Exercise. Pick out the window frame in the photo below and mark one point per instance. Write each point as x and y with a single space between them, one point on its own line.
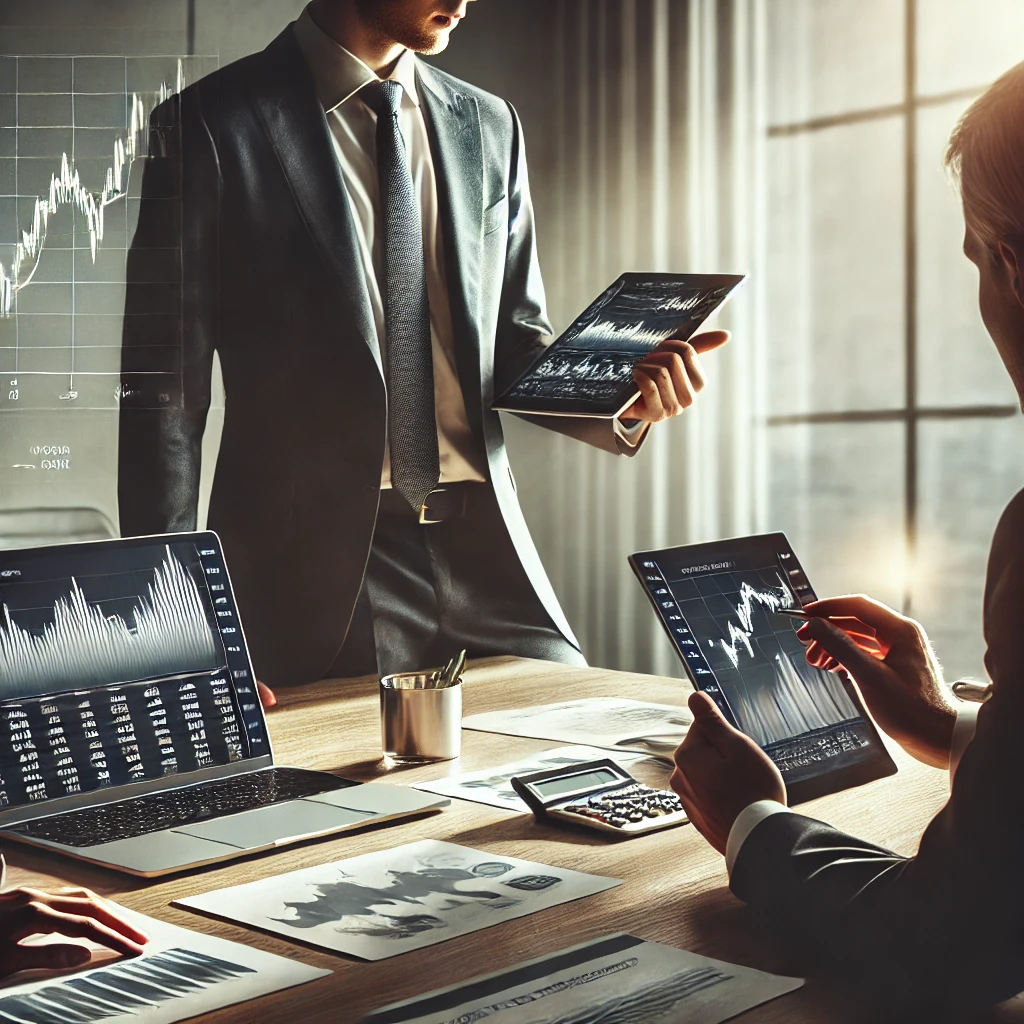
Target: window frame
911 413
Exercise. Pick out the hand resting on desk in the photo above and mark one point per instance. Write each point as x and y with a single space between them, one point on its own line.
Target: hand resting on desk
77 913
720 771
896 671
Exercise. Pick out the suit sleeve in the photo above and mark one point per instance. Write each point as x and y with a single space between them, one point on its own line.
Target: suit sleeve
170 323
941 930
523 327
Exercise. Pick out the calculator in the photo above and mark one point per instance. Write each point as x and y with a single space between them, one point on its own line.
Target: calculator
600 795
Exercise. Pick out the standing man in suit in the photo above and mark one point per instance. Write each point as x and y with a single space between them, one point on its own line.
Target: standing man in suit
939 933
358 247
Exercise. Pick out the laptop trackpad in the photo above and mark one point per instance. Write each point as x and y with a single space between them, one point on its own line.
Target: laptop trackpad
265 826
158 851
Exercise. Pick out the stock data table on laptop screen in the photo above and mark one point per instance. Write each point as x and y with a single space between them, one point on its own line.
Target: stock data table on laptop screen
119 662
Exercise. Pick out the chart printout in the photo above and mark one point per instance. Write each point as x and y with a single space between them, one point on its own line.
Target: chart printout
181 975
614 979
378 905
119 662
723 615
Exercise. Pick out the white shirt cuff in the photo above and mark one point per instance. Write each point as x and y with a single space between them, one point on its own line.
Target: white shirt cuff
963 733
630 435
746 821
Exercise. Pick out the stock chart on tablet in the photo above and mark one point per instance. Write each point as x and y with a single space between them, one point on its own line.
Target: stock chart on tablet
723 606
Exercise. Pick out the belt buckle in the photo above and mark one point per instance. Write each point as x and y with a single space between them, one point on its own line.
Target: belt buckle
424 513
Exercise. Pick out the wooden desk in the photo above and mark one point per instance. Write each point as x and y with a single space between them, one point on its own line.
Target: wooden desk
675 887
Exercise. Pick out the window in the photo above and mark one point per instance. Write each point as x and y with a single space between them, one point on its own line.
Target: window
894 438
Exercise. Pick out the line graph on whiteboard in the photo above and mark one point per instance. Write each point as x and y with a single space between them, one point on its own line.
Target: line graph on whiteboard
75 134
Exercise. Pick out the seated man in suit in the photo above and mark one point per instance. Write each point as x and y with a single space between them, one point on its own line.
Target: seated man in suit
358 249
943 931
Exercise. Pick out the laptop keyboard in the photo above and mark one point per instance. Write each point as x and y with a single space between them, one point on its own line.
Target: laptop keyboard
177 807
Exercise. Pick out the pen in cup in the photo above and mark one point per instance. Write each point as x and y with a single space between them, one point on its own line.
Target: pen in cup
450 675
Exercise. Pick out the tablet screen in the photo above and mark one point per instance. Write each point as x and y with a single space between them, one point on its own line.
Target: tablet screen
588 369
723 606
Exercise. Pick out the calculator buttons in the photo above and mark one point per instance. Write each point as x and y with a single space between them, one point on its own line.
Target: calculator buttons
599 795
633 808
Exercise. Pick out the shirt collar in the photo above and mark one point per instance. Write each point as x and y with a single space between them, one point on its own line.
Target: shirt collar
338 74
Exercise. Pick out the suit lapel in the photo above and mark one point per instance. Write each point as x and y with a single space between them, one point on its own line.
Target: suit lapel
453 125
287 105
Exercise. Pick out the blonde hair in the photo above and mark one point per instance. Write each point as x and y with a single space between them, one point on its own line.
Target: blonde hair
985 157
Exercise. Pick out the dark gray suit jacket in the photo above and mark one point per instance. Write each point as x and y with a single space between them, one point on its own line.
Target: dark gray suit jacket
942 932
245 184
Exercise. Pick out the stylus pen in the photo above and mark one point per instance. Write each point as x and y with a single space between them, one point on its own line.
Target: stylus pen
794 613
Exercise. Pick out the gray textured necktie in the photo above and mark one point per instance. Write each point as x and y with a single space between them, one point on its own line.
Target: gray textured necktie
412 432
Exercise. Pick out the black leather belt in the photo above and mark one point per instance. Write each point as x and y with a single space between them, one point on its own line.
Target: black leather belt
447 501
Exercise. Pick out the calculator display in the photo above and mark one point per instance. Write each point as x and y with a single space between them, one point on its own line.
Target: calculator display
585 780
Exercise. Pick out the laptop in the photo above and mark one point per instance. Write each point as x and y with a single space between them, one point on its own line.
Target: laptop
131 731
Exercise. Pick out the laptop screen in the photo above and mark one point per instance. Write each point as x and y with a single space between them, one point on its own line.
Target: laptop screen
120 661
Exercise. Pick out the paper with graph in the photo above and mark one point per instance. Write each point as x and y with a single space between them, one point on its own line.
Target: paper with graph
182 974
614 723
380 904
615 979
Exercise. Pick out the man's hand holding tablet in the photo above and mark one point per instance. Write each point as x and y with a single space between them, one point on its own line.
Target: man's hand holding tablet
670 377
720 771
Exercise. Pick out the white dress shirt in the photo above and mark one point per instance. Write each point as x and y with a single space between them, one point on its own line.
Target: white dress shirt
338 76
753 814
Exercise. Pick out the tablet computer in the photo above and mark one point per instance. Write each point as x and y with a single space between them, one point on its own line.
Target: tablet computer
722 606
588 369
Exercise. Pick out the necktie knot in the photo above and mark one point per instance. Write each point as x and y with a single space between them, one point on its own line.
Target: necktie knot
382 97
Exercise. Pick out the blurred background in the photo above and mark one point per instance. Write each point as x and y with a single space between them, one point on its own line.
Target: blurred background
860 406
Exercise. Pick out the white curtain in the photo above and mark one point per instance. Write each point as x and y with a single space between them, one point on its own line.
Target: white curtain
654 165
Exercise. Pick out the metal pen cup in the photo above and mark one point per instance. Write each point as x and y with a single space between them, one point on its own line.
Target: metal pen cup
419 722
